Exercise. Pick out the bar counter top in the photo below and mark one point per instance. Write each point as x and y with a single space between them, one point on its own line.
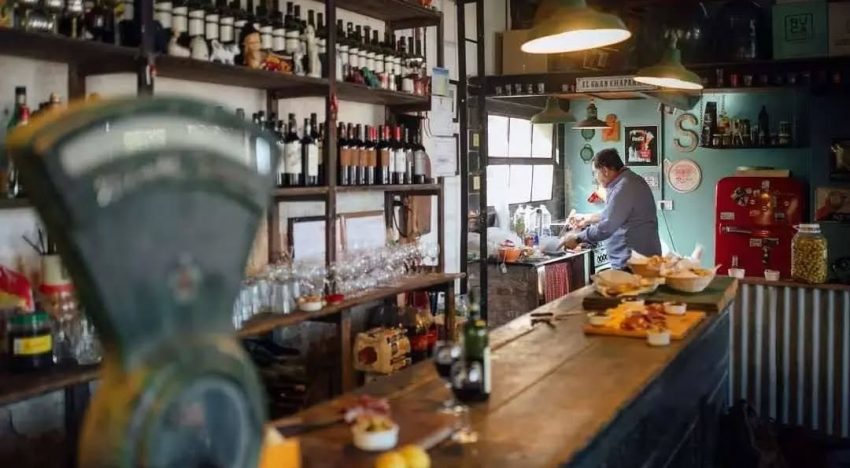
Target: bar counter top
560 397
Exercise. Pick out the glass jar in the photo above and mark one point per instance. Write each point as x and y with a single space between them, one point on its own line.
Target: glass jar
30 342
809 254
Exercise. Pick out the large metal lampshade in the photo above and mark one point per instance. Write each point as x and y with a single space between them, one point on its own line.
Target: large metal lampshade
592 121
552 113
669 71
570 25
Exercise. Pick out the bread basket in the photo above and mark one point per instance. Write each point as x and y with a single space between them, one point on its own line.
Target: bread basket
689 284
644 269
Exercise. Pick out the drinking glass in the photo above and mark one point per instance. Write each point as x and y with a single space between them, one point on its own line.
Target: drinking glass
465 376
446 354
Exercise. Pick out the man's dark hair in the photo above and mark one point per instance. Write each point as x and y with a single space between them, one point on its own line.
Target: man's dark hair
608 158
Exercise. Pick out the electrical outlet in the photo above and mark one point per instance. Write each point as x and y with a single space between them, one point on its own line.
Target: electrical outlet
665 205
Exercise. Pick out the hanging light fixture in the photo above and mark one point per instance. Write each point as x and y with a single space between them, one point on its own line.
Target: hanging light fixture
552 113
570 25
669 71
592 121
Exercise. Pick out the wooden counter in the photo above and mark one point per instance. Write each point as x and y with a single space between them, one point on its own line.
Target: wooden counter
560 397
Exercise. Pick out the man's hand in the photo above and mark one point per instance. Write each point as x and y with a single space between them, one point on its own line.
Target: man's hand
569 241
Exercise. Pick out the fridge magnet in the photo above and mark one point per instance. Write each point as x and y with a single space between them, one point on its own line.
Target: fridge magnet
642 146
687 139
833 204
684 175
653 179
839 159
612 133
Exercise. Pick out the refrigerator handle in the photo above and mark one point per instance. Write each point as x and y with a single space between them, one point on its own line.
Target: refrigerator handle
735 230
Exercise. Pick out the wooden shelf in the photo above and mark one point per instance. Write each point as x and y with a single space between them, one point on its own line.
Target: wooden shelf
92 57
401 14
267 322
14 203
412 188
299 192
399 101
21 386
284 85
751 147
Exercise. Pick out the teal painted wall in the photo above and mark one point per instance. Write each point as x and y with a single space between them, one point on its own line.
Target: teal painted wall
816 121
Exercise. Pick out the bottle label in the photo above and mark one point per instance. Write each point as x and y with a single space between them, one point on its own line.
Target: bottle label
419 162
312 160
32 345
370 61
226 33
379 64
281 163
386 157
292 42
400 161
407 84
212 27
488 379
292 155
178 20
354 58
163 14
279 40
196 23
266 37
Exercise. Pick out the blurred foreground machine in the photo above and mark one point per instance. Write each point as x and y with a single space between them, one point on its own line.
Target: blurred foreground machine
154 204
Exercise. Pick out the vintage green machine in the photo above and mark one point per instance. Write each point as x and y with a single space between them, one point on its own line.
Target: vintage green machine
154 204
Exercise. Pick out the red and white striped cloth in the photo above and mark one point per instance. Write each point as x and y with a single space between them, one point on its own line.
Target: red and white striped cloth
557 282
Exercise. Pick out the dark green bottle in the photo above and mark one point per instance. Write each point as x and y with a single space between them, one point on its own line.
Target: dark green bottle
476 386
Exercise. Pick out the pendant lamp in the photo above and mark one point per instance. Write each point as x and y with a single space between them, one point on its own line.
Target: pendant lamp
669 71
570 25
552 113
592 121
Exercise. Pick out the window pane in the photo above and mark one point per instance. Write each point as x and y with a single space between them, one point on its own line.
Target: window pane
497 136
497 180
520 139
520 184
541 189
541 143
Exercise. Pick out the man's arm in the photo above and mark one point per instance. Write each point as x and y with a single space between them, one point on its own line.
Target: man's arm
615 214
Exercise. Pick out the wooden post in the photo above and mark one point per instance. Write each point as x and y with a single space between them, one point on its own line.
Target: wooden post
450 317
345 351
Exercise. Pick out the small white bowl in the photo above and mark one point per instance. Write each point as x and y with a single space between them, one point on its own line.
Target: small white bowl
737 273
771 275
377 441
658 338
311 306
675 308
597 320
634 304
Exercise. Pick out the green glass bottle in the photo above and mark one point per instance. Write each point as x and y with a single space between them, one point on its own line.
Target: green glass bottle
476 342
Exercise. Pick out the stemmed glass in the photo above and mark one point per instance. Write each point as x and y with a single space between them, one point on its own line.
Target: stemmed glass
446 354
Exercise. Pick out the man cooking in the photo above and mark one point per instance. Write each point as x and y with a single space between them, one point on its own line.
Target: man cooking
628 221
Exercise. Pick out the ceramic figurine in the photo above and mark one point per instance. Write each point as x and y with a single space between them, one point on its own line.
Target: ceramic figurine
314 65
253 55
177 50
221 53
199 48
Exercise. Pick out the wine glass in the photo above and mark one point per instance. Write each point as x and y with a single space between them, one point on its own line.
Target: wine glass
467 383
446 354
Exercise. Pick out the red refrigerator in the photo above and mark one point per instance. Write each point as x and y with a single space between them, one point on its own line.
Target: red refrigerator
754 223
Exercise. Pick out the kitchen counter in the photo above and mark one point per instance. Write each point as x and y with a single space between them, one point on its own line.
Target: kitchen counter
562 398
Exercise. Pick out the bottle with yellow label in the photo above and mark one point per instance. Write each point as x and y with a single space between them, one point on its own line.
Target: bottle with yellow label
30 341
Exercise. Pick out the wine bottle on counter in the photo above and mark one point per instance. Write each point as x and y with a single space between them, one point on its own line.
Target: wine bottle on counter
385 157
309 156
370 147
398 157
344 154
408 156
476 385
421 161
292 154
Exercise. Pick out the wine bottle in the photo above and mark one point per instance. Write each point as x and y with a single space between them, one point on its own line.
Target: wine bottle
211 23
400 60
320 141
421 161
302 39
344 155
419 72
370 149
369 52
128 28
71 24
342 52
266 27
278 33
280 132
240 19
20 117
226 33
353 53
385 156
398 157
322 42
409 79
360 161
292 154
292 32
309 156
408 156
476 348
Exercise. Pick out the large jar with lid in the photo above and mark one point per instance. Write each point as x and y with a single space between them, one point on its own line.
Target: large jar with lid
30 341
809 255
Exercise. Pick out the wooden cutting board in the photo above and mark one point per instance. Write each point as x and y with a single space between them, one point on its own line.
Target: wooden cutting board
714 298
679 326
332 446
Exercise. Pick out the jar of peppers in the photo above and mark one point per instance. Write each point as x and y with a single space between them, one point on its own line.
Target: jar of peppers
809 255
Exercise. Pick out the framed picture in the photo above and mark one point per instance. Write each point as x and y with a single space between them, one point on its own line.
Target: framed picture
363 230
839 159
832 204
306 238
641 146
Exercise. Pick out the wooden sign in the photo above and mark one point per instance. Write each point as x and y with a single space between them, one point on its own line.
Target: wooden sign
610 83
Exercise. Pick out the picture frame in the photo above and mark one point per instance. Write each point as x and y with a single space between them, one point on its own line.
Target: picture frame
641 145
301 235
832 204
839 159
363 229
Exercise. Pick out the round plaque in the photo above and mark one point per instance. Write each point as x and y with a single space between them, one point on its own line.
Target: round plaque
684 175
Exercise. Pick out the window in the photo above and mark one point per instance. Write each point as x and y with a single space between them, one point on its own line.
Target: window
522 163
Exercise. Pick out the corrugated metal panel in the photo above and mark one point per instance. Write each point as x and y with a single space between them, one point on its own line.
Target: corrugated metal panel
790 355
